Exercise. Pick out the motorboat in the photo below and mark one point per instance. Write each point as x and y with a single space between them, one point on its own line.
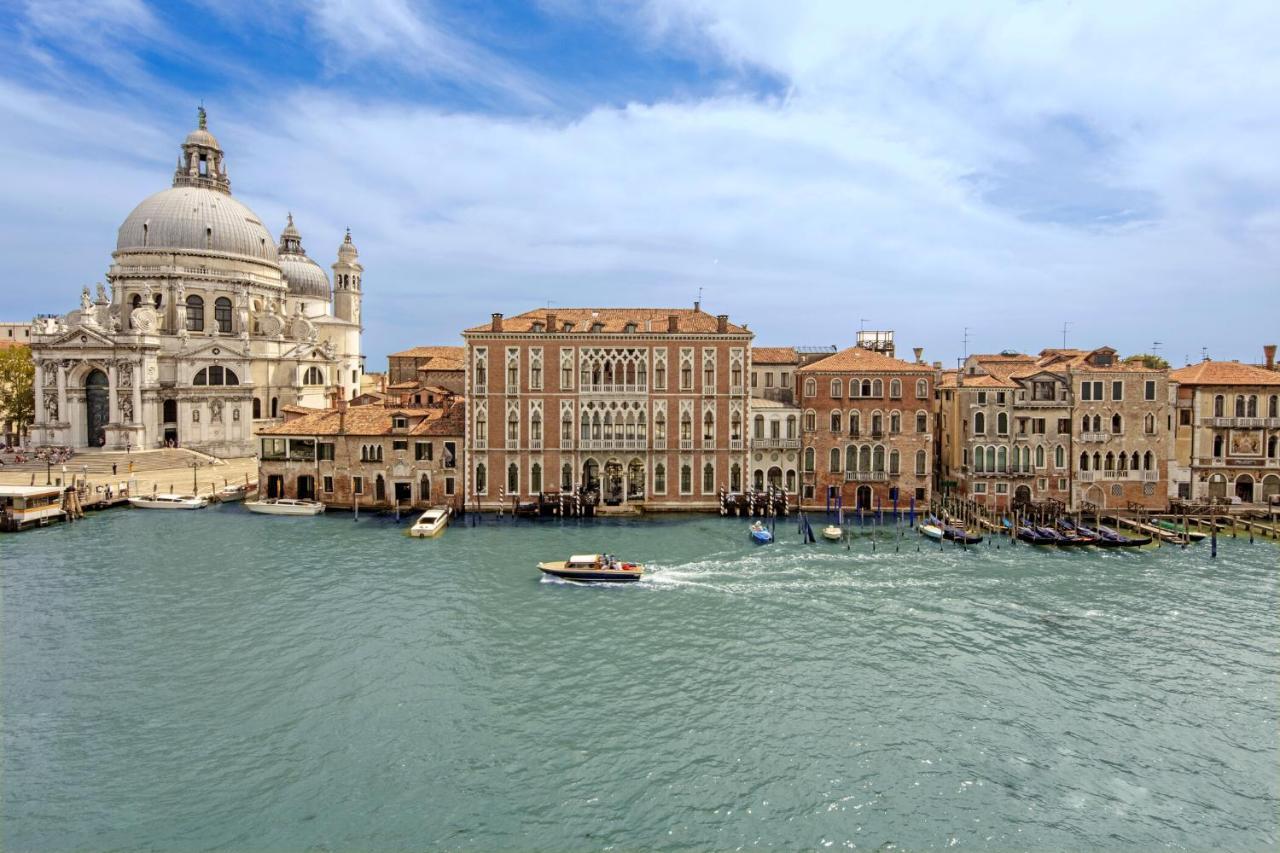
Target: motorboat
931 531
760 534
285 506
431 523
593 568
1189 534
833 533
236 492
159 501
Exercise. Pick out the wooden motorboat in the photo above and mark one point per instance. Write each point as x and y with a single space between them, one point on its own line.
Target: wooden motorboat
169 502
1191 535
931 531
236 492
833 533
760 534
285 506
431 523
593 568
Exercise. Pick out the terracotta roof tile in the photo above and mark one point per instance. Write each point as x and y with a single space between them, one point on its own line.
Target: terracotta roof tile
372 420
647 320
774 355
456 352
1225 373
860 359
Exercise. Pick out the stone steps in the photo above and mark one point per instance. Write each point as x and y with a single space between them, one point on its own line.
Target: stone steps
99 462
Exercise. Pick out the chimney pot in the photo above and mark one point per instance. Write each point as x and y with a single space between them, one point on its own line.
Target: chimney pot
722 323
919 351
673 323
496 324
1270 352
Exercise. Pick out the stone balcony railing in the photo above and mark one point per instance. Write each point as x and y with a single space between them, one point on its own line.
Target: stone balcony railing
615 388
1241 423
866 476
775 444
1095 437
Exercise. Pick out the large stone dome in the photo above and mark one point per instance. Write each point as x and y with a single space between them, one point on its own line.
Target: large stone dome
196 219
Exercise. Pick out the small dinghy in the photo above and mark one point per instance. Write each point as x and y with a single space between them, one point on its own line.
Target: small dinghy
931 531
431 523
832 533
760 534
170 502
593 568
284 506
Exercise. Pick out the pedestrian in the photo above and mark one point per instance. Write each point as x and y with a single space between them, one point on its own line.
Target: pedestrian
113 469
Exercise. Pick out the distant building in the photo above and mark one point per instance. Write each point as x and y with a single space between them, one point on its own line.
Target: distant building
439 366
1227 433
867 428
775 419
641 407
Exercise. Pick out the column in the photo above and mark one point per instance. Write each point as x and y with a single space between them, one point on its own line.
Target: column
137 394
113 404
62 392
38 388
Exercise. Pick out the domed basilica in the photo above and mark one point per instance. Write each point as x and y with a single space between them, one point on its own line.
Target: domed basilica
209 325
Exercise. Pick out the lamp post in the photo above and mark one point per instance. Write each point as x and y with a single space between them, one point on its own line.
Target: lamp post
195 487
48 472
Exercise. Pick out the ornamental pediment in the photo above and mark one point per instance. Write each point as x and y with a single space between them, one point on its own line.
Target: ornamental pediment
216 350
82 338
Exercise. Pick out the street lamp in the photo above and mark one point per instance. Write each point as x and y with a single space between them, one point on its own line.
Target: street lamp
48 472
195 488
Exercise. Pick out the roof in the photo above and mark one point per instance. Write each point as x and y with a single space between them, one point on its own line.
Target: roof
860 359
195 219
615 320
374 419
774 355
457 353
1224 373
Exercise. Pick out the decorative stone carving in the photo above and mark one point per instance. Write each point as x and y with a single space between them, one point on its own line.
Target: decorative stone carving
50 373
328 350
271 324
215 411
144 319
102 295
124 375
86 302
126 408
51 408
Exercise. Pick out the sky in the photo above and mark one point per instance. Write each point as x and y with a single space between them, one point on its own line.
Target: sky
975 176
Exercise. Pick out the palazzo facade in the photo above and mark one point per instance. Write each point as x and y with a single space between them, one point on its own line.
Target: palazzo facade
644 406
208 325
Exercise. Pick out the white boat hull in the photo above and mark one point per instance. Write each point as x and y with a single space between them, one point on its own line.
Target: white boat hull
932 531
832 534
159 503
273 508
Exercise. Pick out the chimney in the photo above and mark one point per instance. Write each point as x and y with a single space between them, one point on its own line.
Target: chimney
496 324
697 305
673 323
919 351
551 322
937 365
722 323
1269 353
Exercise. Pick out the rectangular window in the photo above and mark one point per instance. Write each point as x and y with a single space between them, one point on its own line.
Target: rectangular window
919 494
1062 484
328 485
273 448
1000 397
808 493
1184 417
399 423
1042 484
1064 426
422 450
400 444
449 457
754 377
1149 390
982 398
448 485
768 380
979 488
324 451
1002 488
357 485
1117 390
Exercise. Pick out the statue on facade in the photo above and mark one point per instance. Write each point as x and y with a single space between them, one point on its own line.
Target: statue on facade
328 350
86 302
215 411
124 375
102 295
126 408
51 408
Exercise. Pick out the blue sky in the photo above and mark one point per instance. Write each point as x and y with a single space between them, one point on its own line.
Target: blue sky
1004 167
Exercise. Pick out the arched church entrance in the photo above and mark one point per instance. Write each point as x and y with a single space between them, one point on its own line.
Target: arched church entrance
97 408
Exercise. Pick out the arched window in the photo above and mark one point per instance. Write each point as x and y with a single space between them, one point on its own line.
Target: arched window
1040 456
835 421
1097 461
1217 445
894 462
1110 461
1002 458
834 464
660 478
424 489
1273 444
1122 461
836 389
222 314
708 427
195 313
1097 423
979 423
136 303
811 387
566 477
708 478
686 427
735 477
808 460
921 463
1149 424
855 423
877 388
877 423
686 478
895 388
866 388
313 376
877 458
922 422
854 388
1148 461
811 420
851 458
535 430
1251 409
1084 461
566 426
791 426
660 426
257 408
482 482
864 458
1219 406
1002 423
922 389
1059 457
1240 406
513 426
275 407
1117 424
991 457
513 479
1273 406
535 478
216 375
1084 424
895 422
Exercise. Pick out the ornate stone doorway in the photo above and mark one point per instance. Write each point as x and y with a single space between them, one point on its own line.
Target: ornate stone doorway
1244 488
97 408
613 482
635 480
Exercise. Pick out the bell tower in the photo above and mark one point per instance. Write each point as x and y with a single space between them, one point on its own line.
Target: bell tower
347 273
200 164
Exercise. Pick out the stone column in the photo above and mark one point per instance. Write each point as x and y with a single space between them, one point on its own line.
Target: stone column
62 391
137 393
113 402
38 388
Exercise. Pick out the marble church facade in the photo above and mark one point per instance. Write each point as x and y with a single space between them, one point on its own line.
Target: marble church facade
207 327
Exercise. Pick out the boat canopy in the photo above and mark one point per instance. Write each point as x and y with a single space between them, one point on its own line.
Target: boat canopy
584 559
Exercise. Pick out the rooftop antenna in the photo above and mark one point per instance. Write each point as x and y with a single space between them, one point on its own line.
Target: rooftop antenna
1155 347
1204 353
966 342
1065 324
862 324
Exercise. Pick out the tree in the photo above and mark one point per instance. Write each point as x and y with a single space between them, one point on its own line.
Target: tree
17 396
1148 360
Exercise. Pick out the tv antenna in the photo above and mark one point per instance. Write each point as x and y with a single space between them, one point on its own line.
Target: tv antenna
966 342
1155 347
1065 325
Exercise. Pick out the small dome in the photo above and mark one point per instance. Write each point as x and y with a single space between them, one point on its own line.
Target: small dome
196 219
303 275
202 137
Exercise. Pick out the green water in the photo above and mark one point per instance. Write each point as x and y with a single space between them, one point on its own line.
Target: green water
221 680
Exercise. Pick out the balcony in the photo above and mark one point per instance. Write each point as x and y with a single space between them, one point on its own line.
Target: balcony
513 444
1095 437
775 444
1241 423
735 444
615 388
659 444
686 444
480 389
535 444
708 444
866 476
566 444
737 390
1041 404
481 443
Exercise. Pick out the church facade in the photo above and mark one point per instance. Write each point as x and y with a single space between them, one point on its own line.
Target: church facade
209 325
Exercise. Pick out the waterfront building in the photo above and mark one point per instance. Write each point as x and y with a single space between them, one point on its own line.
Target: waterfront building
1227 431
866 427
208 325
642 407
380 456
774 419
1067 427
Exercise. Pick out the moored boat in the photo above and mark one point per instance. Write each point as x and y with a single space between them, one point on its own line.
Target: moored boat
931 531
158 501
285 506
1033 536
593 568
1191 535
236 492
760 534
832 533
430 523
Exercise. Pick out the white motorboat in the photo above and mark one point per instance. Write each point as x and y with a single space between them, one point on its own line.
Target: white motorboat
236 492
285 506
932 531
169 502
430 523
832 533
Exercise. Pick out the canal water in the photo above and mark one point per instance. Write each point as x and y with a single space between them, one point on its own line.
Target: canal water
216 679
